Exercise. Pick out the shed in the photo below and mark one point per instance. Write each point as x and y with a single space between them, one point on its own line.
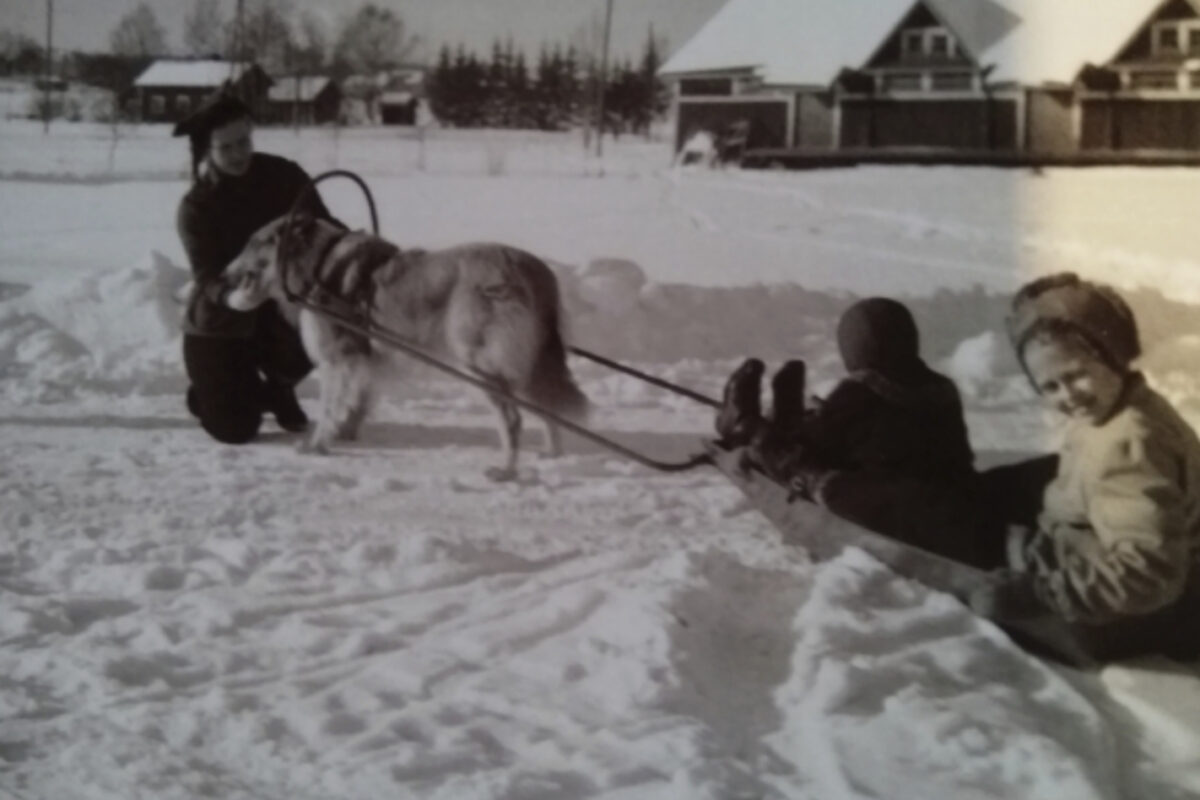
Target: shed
303 100
170 89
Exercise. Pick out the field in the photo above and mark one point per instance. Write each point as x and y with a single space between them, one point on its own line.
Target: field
182 619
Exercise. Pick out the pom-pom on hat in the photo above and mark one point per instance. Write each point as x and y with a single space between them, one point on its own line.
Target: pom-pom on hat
1094 311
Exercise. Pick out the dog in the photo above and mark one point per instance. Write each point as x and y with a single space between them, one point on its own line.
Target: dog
492 309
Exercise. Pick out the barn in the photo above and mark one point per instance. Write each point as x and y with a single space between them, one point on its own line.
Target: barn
170 89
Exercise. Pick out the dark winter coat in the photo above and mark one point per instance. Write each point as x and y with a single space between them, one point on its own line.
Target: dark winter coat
217 217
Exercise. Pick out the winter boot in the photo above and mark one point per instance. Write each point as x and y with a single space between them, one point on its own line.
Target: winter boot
740 416
280 400
787 391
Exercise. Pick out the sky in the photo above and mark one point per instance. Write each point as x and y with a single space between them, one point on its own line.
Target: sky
86 24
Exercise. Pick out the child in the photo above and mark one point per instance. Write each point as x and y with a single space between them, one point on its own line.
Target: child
1116 544
887 448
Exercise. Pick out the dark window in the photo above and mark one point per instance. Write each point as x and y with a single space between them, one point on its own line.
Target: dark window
1159 79
902 82
913 43
706 86
1194 41
952 81
1168 40
939 45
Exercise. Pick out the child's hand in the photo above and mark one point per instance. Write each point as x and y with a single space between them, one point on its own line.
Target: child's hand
1008 597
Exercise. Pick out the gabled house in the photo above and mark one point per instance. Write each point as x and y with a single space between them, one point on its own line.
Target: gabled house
1033 76
303 100
983 74
170 89
1147 95
771 65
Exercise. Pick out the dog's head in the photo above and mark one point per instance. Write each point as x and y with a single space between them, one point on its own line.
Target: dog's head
256 276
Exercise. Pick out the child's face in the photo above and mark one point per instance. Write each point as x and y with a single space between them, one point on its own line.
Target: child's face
231 146
1072 380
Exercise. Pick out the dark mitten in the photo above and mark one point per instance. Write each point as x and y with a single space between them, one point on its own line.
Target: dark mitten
740 416
1009 597
787 392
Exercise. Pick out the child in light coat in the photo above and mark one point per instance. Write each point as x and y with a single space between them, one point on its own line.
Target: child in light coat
1115 548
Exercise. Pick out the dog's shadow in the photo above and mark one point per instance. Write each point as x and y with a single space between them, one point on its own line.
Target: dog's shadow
407 436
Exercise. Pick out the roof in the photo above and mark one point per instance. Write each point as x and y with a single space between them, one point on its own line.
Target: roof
396 98
1051 41
288 89
801 42
196 73
807 42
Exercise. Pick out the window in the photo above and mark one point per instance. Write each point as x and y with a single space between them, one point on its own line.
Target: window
953 81
158 104
706 86
183 104
1194 79
1168 40
913 43
939 45
902 82
1155 79
1193 42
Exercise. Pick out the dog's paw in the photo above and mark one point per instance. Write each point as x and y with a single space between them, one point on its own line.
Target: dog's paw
501 474
312 446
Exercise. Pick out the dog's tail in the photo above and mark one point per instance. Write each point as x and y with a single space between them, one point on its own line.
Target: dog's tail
552 385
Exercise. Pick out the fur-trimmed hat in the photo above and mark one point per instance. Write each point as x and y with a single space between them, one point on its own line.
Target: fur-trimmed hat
1094 311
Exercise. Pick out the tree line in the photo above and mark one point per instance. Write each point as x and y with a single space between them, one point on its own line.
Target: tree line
559 92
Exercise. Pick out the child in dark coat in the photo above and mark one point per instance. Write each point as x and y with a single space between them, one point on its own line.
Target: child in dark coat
887 448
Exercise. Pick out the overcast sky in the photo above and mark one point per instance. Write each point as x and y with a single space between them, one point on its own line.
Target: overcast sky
86 24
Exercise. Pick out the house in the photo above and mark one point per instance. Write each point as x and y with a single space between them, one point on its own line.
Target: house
1026 76
170 89
772 64
303 100
982 74
1147 95
401 96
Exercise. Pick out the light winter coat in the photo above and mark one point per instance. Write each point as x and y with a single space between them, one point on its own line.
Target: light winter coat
1119 532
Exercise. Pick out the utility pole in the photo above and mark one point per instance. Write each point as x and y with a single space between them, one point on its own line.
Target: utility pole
49 76
608 10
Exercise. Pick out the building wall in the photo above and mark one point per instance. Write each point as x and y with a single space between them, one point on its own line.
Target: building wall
768 120
814 120
968 124
1049 123
1141 124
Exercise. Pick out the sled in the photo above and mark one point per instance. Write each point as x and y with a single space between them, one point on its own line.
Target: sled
823 534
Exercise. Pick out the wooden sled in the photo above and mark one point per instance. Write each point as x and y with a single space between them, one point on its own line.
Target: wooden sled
825 535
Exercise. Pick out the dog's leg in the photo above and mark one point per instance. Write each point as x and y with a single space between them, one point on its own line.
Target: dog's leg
553 439
509 427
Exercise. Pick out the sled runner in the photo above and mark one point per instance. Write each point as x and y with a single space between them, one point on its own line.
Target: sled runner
823 534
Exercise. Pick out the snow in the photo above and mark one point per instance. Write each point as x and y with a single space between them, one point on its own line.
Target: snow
182 619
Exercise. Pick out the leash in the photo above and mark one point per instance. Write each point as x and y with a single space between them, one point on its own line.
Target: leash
348 316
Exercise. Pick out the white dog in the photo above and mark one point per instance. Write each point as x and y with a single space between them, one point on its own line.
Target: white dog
490 308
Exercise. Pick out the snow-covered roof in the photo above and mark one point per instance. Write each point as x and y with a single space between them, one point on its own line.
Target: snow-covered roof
803 42
806 42
196 73
288 89
1035 42
396 98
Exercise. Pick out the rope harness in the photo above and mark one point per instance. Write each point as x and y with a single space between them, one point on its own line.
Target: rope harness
349 316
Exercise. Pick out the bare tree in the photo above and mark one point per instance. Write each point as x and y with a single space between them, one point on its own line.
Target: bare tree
312 45
138 34
371 41
202 28
265 35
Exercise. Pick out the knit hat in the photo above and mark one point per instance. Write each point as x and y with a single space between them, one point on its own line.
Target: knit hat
1094 311
878 334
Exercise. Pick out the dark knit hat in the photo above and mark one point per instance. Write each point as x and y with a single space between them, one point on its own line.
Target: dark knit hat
878 334
216 110
1065 302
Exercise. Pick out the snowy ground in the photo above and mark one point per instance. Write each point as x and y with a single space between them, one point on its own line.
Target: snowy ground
180 619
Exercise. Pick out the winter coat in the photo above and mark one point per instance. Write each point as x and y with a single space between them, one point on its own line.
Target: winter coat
215 220
1119 532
